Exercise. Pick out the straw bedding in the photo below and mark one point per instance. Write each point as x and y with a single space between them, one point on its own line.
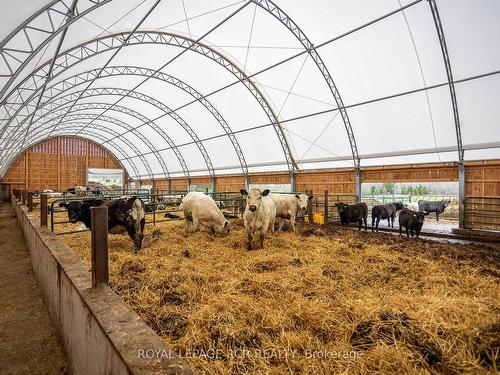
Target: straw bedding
323 300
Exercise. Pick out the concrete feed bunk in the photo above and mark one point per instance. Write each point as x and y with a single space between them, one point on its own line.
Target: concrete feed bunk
317 301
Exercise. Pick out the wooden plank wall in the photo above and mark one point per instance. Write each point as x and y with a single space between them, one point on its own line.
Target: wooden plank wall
482 178
58 163
230 183
338 181
442 172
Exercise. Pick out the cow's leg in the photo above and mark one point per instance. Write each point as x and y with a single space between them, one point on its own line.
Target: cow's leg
250 239
366 225
132 233
437 216
280 224
272 226
360 224
261 240
407 232
378 221
400 229
195 226
292 223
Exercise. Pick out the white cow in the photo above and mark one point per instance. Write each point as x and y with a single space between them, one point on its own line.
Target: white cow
259 215
200 209
288 205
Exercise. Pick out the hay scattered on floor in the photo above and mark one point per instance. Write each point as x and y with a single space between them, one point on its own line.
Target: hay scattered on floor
401 306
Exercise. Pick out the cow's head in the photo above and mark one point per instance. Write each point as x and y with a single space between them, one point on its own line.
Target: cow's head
253 198
445 203
76 210
302 200
419 216
224 229
399 205
341 206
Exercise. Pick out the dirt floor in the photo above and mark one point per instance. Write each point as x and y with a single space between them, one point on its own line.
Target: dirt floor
28 341
323 300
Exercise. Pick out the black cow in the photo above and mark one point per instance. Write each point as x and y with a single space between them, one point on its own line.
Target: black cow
122 213
412 221
352 213
385 211
437 207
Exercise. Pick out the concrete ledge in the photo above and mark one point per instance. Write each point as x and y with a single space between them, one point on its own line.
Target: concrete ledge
100 333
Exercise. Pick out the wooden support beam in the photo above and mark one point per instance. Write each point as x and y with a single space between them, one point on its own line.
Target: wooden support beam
99 240
43 210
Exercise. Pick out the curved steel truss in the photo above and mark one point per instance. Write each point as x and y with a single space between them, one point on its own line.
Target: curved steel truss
449 73
26 89
281 16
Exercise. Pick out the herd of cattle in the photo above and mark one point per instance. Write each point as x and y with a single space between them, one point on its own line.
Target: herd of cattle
262 209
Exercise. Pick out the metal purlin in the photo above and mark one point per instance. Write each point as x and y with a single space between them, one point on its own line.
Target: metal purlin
111 120
449 73
59 111
85 50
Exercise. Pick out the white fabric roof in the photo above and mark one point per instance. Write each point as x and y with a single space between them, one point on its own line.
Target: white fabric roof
220 86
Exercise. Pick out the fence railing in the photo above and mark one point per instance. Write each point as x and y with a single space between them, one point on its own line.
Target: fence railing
482 213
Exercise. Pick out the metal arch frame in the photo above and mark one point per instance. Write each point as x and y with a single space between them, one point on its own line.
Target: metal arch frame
449 74
91 48
53 115
90 133
51 31
74 124
282 17
164 77
136 95
63 86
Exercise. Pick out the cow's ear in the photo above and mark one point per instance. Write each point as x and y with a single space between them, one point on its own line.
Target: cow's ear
297 196
225 224
244 193
62 204
265 192
310 197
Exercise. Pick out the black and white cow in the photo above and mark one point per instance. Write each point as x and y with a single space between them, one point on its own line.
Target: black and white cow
123 214
437 207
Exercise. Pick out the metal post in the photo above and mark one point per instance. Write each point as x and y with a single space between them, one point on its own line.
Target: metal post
169 188
43 210
214 184
99 240
247 181
30 201
357 172
293 181
326 207
461 195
